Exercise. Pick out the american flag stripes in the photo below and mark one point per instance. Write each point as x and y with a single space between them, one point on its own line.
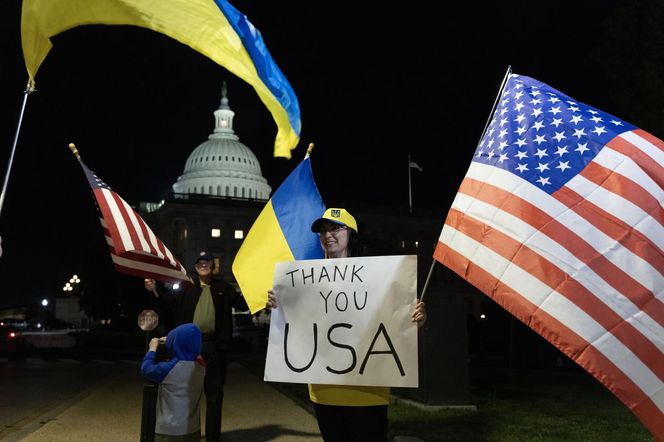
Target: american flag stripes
560 220
135 250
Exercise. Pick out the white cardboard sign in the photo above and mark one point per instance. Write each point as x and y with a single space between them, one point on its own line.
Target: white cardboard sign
344 321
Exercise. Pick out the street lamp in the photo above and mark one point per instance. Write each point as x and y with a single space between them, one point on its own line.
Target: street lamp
71 284
44 302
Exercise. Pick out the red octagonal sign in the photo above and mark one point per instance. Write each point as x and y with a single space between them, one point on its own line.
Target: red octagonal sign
148 320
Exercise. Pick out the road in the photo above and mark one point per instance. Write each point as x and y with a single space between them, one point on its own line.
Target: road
36 388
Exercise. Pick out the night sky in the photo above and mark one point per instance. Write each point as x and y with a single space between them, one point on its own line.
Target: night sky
373 86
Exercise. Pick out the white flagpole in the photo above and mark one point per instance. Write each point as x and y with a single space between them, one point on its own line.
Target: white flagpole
500 91
410 194
28 89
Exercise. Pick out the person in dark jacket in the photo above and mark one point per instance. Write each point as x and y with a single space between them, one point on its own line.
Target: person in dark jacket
180 380
209 304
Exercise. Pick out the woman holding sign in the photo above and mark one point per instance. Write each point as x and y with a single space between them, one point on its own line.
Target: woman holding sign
348 413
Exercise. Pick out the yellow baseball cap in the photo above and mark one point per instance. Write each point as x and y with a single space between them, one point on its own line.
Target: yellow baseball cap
337 216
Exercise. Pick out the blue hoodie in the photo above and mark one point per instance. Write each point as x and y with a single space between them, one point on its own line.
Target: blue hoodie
183 343
180 381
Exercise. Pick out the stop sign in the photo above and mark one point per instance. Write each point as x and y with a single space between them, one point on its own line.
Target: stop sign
148 320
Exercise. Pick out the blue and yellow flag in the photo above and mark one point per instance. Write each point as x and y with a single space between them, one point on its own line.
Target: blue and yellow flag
212 27
282 232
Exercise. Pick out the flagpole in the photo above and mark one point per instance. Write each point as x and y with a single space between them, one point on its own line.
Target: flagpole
500 91
309 149
28 90
410 194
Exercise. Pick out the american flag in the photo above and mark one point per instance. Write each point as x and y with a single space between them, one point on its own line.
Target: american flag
559 219
135 250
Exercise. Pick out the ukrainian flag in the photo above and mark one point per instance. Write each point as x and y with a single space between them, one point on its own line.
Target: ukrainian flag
282 232
212 27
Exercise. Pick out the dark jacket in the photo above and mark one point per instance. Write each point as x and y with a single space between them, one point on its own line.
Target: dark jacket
224 297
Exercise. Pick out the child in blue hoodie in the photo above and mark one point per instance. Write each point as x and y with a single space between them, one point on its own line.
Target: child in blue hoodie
180 380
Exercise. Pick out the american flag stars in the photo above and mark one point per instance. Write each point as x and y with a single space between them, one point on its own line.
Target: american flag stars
544 136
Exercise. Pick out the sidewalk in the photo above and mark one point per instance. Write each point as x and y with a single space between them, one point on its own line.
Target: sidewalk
253 412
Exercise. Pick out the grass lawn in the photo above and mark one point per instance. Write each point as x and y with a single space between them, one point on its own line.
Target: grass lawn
527 406
566 405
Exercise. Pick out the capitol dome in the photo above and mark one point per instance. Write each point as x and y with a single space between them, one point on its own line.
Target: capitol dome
222 166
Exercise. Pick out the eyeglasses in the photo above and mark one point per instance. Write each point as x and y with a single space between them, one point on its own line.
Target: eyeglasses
204 264
333 229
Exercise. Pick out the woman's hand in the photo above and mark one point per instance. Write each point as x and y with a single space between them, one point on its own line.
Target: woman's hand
271 300
420 314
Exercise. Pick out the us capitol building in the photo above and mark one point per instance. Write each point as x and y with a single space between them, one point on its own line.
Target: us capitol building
216 199
221 192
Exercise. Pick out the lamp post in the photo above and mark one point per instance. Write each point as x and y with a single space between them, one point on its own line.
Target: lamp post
72 284
68 307
43 315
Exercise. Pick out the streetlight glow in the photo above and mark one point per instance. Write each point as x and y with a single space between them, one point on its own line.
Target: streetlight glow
44 302
69 286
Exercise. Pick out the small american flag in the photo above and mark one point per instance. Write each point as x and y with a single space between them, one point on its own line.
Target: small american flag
560 220
135 250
